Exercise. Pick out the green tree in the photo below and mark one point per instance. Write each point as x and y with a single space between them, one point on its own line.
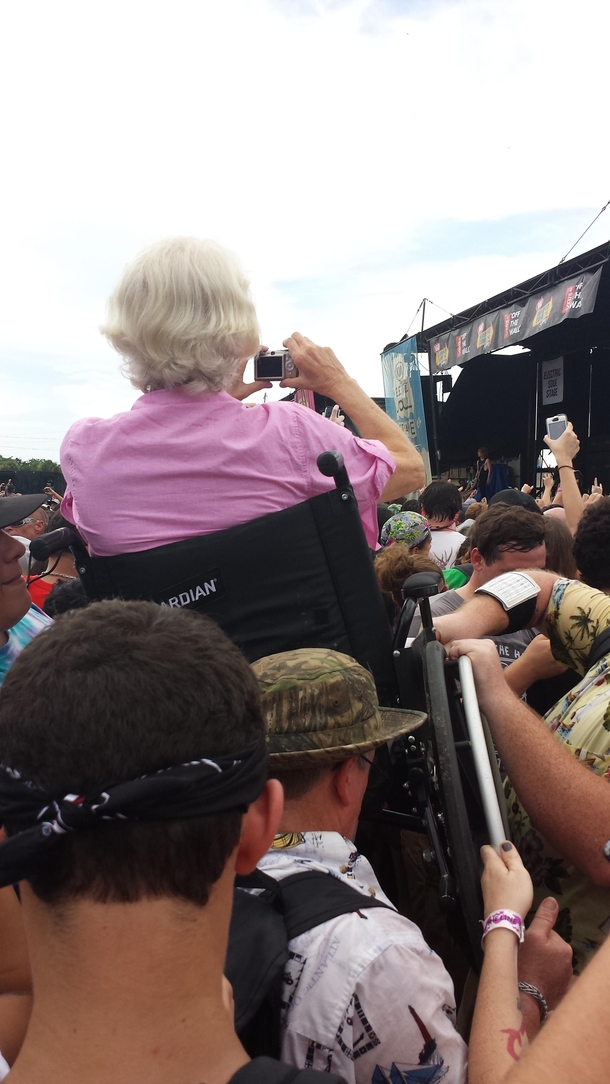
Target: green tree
14 463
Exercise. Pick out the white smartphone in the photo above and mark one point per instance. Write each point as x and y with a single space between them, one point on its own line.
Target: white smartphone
556 426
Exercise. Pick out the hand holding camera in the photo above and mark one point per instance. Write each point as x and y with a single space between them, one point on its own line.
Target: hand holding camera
319 369
274 365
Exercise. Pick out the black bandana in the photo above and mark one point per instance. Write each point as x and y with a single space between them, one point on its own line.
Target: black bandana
210 785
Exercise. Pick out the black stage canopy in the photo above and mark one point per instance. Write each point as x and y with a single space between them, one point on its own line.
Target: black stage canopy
562 320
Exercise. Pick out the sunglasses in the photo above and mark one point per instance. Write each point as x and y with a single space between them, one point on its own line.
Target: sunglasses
20 522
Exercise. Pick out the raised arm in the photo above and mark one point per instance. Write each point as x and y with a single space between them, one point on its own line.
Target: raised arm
498 1033
320 370
505 1016
565 449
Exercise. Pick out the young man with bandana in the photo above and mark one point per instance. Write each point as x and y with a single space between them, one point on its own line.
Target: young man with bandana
133 787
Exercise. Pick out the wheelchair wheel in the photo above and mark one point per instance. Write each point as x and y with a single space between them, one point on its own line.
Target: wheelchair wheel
460 844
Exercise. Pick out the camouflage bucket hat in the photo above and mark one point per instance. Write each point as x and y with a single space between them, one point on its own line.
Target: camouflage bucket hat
320 705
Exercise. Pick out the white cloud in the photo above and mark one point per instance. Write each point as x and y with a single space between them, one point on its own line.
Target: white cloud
320 140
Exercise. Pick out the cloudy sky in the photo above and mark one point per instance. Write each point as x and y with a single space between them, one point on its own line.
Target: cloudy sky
357 154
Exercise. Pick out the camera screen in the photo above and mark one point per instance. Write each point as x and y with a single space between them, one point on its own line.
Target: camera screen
269 366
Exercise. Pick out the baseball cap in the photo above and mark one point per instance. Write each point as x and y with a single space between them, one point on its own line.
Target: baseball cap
515 496
320 705
15 509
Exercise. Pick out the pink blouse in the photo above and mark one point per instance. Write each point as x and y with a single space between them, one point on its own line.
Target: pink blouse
178 465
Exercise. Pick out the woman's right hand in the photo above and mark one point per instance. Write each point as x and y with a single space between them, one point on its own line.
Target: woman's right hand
319 367
507 886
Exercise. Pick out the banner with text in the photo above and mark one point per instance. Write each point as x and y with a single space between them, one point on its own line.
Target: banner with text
403 395
567 300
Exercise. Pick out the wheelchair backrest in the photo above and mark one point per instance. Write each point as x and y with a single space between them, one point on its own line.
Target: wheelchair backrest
301 577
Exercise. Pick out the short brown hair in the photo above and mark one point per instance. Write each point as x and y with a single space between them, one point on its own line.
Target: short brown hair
475 510
297 782
112 692
506 527
559 555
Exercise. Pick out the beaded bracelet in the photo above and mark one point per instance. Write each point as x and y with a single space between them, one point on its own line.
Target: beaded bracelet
510 920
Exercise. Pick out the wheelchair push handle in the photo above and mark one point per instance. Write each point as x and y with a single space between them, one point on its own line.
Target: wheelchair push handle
480 754
332 465
421 587
54 542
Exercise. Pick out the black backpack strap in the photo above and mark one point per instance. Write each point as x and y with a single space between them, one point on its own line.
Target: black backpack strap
599 648
270 1071
314 897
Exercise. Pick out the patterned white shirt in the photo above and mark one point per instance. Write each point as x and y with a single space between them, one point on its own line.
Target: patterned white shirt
364 996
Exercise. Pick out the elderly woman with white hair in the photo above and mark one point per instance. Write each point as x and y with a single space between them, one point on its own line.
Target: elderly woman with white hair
189 457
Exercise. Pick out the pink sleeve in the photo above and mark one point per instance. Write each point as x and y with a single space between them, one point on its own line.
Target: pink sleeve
368 462
66 507
67 504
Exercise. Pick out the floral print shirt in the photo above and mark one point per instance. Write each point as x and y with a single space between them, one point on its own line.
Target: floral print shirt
576 614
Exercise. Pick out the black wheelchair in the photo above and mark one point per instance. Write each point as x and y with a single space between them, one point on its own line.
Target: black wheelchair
304 577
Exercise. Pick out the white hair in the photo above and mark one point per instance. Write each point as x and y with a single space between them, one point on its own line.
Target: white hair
182 315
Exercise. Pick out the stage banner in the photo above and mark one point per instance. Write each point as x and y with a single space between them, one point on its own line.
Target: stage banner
404 401
505 327
551 382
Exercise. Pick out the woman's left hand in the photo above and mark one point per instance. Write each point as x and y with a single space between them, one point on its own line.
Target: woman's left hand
506 883
241 391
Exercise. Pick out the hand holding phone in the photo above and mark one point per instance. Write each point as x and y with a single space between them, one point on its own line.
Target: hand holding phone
556 426
566 446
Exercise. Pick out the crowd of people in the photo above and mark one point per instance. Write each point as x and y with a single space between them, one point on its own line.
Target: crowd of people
151 779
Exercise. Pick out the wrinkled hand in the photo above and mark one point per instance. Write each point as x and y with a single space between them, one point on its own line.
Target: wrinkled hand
566 447
319 368
545 959
241 391
505 882
336 416
526 489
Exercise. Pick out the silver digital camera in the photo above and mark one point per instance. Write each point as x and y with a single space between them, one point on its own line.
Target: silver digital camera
274 365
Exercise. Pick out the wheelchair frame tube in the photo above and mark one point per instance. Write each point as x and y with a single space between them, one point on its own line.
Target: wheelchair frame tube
480 754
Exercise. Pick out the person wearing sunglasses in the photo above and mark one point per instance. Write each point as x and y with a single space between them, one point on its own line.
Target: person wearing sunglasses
32 525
